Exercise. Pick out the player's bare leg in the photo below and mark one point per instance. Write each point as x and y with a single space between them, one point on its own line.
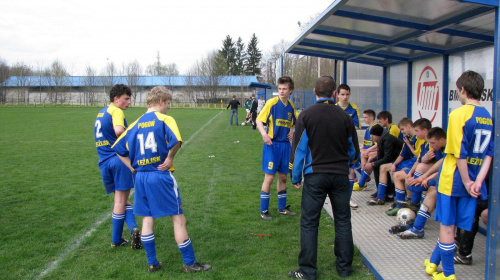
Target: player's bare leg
382 185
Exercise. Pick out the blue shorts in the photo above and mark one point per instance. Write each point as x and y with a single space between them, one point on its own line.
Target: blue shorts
116 176
357 164
407 163
276 157
417 189
455 211
156 195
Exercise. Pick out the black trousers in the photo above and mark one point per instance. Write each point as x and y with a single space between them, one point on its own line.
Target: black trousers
316 188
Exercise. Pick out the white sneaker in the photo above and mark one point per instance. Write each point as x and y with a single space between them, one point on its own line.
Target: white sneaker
352 204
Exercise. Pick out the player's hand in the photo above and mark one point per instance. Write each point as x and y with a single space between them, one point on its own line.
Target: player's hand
298 186
393 168
267 139
368 167
407 142
473 188
290 135
429 156
166 164
425 183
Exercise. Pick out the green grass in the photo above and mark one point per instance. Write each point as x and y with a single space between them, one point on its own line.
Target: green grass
52 200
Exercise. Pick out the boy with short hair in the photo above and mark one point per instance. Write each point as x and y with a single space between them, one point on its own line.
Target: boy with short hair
460 181
385 120
419 128
148 148
280 115
368 149
117 179
427 165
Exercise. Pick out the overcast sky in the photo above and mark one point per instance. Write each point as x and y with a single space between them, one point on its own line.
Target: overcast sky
91 33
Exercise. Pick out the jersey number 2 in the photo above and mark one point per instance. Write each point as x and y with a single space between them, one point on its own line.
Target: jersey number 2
98 133
150 142
479 146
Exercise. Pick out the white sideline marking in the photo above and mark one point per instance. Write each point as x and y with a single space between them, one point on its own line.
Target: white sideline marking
64 254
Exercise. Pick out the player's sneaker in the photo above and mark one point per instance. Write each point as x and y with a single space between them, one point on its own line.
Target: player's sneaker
297 275
352 204
401 227
287 211
135 238
375 201
440 276
153 268
459 259
430 268
196 267
356 187
265 215
412 233
119 244
392 212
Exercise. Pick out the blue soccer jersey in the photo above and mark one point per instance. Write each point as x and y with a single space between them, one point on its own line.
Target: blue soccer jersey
406 152
104 131
469 137
279 118
367 140
148 140
353 111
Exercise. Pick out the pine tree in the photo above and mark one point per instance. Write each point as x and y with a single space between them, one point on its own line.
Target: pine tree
240 57
254 57
228 54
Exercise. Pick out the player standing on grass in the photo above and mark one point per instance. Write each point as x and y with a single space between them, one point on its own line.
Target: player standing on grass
279 115
148 147
469 150
116 177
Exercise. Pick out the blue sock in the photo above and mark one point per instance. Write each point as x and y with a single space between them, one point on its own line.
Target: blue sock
381 191
362 180
282 200
148 241
400 196
264 201
187 252
351 182
436 254
421 219
447 255
117 221
130 218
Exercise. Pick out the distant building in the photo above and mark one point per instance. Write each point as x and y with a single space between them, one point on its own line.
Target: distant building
94 90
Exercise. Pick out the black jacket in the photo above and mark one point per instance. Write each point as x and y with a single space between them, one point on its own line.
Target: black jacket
389 148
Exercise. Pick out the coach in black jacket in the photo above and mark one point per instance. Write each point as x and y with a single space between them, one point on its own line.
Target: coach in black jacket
325 143
389 148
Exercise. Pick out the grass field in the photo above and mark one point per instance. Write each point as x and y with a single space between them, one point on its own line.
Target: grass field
55 218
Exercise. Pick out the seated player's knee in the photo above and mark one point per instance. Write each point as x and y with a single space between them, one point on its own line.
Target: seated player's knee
484 216
422 167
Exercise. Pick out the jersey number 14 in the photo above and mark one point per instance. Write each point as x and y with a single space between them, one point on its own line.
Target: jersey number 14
150 142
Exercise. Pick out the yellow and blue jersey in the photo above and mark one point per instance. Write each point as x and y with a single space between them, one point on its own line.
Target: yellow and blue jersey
148 140
279 118
469 136
367 140
353 111
104 130
406 152
396 132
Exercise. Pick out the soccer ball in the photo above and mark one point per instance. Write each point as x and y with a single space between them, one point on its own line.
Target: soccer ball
405 214
243 123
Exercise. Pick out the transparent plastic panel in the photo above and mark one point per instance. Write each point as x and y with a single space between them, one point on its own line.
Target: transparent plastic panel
398 91
365 82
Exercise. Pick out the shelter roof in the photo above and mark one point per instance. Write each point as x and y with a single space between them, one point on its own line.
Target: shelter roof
388 32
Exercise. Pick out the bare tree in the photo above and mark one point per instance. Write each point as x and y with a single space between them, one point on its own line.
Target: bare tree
90 81
4 75
108 77
133 71
268 63
59 82
189 86
22 81
159 69
211 74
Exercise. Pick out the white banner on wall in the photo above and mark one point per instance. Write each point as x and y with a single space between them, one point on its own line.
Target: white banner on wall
486 99
427 90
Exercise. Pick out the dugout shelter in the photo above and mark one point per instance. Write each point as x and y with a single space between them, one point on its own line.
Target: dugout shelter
405 56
